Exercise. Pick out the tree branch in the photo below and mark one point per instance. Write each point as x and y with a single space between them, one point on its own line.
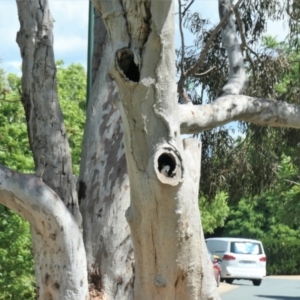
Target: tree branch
204 52
261 111
203 73
182 93
292 182
181 36
244 44
59 235
238 80
45 124
187 7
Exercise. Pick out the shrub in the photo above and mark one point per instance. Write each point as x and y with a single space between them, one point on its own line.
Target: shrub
283 256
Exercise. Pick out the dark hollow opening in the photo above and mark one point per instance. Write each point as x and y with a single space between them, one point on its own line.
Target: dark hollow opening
166 165
127 65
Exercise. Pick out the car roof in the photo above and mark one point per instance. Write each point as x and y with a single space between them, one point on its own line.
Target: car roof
228 239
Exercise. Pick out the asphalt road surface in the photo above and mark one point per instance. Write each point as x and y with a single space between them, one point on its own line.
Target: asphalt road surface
271 288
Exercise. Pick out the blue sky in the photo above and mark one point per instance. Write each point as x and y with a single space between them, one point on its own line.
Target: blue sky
70 30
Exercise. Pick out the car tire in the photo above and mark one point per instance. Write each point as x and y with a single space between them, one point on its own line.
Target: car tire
256 282
218 280
229 280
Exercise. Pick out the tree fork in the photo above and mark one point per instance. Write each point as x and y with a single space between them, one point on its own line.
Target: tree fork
169 248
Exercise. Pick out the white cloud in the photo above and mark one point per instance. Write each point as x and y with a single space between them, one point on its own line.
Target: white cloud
67 44
70 32
71 26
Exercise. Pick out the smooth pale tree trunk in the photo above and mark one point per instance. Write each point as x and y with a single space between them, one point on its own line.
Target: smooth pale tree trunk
171 260
104 184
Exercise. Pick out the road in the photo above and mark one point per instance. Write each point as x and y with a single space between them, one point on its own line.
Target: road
272 288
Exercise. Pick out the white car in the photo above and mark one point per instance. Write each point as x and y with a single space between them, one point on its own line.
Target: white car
241 258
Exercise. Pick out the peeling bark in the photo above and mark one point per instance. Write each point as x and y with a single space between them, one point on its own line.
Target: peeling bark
47 133
104 184
169 248
238 80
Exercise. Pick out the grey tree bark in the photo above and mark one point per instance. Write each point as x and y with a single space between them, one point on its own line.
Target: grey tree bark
170 254
104 184
134 70
59 255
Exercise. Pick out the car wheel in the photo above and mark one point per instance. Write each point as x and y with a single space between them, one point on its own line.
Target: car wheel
256 282
229 280
218 279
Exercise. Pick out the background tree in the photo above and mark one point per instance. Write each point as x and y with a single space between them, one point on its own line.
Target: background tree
214 213
275 151
226 166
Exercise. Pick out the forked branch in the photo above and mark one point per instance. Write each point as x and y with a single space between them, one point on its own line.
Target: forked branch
226 14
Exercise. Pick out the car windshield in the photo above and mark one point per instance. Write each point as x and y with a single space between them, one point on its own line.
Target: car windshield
245 248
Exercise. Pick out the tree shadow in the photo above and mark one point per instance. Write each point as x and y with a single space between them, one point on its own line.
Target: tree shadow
278 297
240 284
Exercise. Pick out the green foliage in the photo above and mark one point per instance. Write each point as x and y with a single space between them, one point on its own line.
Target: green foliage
271 42
14 150
283 256
286 195
71 85
256 218
16 261
213 213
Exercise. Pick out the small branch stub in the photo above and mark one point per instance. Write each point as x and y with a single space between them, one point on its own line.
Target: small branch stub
168 165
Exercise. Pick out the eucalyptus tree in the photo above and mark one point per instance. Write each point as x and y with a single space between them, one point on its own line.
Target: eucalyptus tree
225 159
154 177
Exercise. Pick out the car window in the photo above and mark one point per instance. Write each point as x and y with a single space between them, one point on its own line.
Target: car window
245 248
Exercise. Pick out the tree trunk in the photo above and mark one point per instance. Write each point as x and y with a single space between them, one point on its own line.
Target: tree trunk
59 255
104 184
170 253
46 130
